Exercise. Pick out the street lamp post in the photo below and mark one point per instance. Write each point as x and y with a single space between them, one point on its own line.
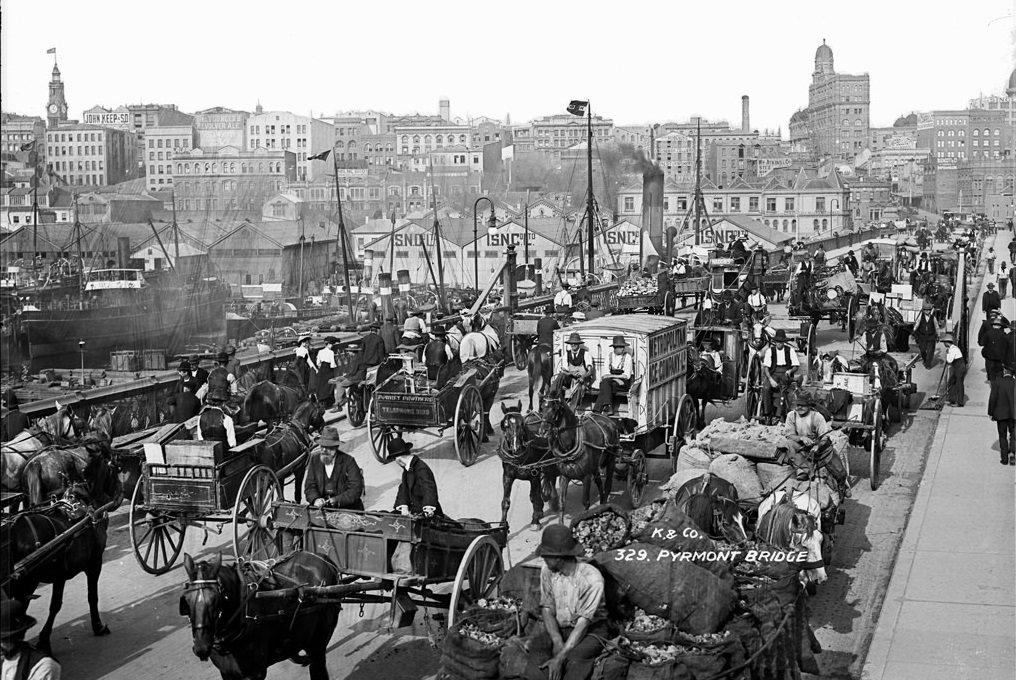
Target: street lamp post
81 350
476 240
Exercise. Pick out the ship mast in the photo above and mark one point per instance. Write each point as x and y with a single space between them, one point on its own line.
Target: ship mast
81 257
589 192
176 228
342 238
437 243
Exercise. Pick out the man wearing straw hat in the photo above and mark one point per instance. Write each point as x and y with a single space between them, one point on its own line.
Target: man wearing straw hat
618 379
21 661
573 609
576 369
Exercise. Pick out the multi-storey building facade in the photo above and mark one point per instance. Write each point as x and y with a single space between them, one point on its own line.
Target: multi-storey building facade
18 131
302 135
91 155
161 143
218 127
230 179
836 122
553 134
416 139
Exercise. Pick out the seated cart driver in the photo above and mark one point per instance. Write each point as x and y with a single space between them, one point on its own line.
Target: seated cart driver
334 480
757 301
779 368
618 379
576 370
713 355
355 374
808 430
215 424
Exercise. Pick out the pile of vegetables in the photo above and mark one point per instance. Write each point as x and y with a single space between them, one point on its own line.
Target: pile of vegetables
470 631
604 531
502 603
645 515
646 623
638 287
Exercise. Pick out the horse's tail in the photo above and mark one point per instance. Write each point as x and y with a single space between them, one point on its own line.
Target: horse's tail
31 482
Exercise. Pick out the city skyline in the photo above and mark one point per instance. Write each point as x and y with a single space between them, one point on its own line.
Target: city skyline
915 62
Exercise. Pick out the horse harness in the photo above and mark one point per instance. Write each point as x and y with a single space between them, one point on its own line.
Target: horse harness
580 436
511 456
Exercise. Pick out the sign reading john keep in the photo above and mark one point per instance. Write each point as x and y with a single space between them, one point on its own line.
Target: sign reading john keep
108 119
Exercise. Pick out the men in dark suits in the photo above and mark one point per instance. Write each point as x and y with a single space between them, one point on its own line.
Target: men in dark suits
994 343
185 404
418 491
334 480
991 299
1002 409
374 352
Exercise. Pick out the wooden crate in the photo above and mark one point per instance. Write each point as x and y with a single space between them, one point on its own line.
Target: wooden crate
694 285
180 487
124 360
153 360
188 452
857 384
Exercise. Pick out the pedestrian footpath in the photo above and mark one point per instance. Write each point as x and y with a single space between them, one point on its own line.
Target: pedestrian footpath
949 609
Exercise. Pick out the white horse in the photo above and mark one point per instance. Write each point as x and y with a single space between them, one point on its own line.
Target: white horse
798 537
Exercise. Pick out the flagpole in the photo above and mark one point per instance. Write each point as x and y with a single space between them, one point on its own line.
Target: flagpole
34 157
589 195
342 237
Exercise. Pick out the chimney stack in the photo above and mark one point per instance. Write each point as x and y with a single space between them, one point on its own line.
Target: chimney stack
745 126
445 109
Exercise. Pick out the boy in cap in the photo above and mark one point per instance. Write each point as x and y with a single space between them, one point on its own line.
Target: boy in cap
334 480
22 661
618 379
573 610
957 366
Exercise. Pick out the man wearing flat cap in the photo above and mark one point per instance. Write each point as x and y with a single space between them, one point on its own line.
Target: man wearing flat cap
334 480
21 661
926 333
573 609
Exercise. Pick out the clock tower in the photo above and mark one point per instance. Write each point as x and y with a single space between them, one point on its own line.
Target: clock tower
56 109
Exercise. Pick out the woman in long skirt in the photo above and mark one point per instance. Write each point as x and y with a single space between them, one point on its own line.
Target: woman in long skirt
957 367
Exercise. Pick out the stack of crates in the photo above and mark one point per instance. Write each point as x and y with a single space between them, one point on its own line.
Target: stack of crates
124 360
154 360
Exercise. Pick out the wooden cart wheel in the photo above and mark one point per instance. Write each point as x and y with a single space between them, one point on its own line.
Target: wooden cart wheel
753 389
638 475
669 303
380 434
683 430
852 303
468 424
253 533
875 444
156 535
355 408
478 576
519 353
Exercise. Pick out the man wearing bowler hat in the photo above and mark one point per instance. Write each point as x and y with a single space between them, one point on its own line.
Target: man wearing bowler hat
334 480
215 424
572 606
418 490
926 333
618 379
21 661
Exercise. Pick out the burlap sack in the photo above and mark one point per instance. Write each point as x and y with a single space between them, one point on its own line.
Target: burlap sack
740 472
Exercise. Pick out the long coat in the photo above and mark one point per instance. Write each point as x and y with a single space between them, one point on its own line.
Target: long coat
344 487
418 488
1002 400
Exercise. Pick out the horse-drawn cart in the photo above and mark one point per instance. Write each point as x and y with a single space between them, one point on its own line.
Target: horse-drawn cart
189 482
365 546
655 408
521 329
408 401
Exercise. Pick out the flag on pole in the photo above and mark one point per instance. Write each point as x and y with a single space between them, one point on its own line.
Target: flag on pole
577 107
30 146
51 50
323 156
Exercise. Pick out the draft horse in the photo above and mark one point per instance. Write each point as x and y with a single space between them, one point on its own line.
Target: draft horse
23 534
540 369
702 385
272 402
524 455
711 503
585 447
286 442
243 640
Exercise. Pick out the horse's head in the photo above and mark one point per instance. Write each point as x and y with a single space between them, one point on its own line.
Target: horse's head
554 413
309 415
101 422
204 601
102 480
513 425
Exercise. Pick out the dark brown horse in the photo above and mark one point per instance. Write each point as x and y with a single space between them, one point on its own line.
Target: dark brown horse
540 369
524 455
22 535
287 442
711 502
242 638
272 402
585 447
702 385
49 472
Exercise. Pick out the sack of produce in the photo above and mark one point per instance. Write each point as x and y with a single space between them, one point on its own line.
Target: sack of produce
740 472
693 458
695 599
772 476
673 529
523 584
611 665
642 516
648 628
653 660
468 652
709 655
679 479
602 527
501 616
514 659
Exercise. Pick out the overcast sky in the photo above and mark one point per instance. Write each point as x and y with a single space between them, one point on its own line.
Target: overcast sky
637 62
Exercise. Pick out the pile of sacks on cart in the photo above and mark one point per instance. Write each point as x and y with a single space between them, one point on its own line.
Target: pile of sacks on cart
682 605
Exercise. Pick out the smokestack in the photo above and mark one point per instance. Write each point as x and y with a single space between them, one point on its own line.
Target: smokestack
445 109
745 123
652 205
123 252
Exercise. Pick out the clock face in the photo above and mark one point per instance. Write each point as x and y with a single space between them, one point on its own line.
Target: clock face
52 108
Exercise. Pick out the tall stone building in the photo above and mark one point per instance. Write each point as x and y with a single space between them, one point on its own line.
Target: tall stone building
836 122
